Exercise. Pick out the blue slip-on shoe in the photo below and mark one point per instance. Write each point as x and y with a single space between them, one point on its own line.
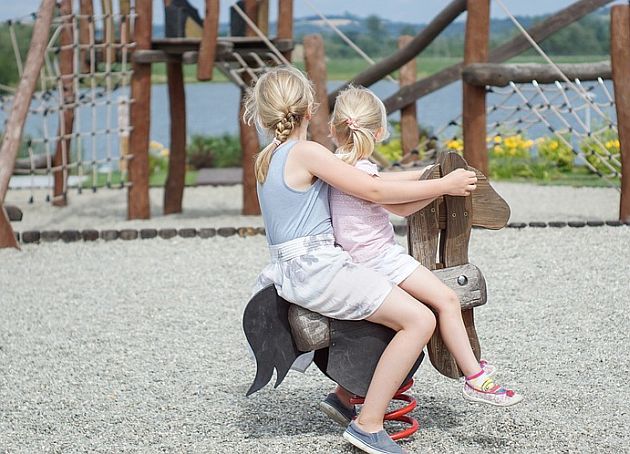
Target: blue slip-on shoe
372 443
337 411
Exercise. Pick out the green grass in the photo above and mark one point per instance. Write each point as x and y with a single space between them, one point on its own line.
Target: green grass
157 179
579 177
345 69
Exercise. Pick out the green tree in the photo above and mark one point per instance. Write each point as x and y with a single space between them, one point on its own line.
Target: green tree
8 66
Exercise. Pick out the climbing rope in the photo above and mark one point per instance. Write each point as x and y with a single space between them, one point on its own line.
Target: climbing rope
98 96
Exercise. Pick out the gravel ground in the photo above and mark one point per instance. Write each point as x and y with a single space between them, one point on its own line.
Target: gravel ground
137 347
220 207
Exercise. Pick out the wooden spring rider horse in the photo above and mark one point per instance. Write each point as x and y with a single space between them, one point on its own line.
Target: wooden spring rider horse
348 351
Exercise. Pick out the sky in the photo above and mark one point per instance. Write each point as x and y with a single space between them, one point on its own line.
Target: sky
413 11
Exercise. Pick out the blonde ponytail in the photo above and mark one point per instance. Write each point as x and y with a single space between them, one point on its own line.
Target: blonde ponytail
277 103
358 117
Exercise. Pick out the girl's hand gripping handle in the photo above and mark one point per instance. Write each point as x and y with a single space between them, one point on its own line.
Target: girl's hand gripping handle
460 182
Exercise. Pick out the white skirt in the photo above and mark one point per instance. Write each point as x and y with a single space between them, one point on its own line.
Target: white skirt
314 273
395 264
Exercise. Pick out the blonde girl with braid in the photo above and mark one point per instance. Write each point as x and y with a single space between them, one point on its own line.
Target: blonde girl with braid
307 268
363 229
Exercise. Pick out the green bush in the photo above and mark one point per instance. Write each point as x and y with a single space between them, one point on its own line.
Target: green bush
556 152
214 151
8 66
601 148
392 148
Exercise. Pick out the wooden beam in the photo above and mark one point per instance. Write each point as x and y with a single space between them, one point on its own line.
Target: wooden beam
516 46
251 9
138 204
14 125
176 178
315 62
66 114
7 236
620 57
263 16
86 8
409 130
285 24
474 97
250 146
208 46
500 75
109 51
125 21
421 41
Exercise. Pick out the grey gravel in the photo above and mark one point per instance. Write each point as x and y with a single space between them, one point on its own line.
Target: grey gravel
137 347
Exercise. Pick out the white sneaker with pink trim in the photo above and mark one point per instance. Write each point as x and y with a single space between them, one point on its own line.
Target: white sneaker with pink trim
496 395
488 368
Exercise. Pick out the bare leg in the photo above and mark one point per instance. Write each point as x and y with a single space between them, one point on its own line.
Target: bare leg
423 285
414 325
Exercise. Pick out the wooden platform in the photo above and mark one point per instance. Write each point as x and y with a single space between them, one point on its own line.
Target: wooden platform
164 49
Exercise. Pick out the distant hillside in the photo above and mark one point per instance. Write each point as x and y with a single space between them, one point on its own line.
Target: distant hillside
377 36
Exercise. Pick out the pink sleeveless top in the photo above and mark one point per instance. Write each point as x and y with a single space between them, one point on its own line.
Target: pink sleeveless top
361 228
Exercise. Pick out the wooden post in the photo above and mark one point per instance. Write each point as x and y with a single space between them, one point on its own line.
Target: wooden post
176 179
409 130
474 98
138 204
285 23
251 9
16 118
620 60
66 114
263 16
315 61
208 46
109 52
125 29
86 8
250 146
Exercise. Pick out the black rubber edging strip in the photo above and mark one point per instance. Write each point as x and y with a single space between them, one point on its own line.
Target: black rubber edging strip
71 235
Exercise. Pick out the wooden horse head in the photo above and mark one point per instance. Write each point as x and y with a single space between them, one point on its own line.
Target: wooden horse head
438 238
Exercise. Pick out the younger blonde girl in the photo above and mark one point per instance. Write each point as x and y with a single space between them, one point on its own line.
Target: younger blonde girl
364 230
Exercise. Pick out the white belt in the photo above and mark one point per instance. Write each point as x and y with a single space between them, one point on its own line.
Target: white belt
299 246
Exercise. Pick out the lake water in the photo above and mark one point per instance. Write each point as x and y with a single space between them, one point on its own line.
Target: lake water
212 108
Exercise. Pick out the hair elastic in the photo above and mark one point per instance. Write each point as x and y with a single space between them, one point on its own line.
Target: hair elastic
352 124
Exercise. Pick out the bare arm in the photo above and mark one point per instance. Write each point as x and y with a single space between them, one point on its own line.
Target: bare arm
407 175
407 209
321 163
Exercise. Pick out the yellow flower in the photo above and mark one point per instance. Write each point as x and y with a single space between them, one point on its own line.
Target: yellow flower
455 144
497 139
165 152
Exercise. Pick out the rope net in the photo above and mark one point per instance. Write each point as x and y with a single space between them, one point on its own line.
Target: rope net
580 121
77 127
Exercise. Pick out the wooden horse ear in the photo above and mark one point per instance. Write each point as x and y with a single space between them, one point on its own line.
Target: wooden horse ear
489 209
